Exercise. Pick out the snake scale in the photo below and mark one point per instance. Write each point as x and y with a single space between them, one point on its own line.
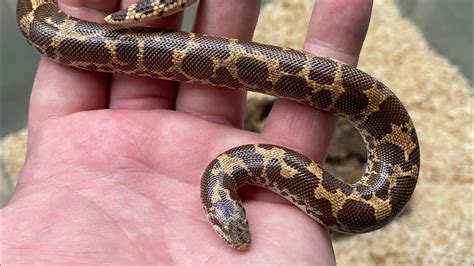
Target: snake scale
379 116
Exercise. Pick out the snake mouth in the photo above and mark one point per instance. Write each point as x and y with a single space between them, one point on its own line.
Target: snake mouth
235 234
242 247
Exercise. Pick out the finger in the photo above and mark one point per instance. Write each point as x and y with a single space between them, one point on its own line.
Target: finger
236 19
337 29
131 92
59 90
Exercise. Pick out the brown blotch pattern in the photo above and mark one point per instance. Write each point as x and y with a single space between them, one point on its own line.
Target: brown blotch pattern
325 66
392 145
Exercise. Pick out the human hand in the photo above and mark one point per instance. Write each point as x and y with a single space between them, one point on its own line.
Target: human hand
114 162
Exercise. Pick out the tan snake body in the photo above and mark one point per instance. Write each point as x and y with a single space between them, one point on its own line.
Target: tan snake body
392 146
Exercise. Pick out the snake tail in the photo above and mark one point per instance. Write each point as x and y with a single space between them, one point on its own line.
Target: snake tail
146 10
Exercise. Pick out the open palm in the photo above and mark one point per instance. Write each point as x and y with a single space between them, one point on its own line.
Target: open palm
114 162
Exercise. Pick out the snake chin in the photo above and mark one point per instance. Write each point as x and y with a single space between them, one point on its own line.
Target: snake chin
236 233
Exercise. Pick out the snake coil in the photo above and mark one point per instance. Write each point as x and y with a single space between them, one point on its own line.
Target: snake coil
391 141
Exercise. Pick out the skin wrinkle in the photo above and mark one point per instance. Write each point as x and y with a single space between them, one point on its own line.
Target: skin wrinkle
144 98
342 17
165 241
215 118
331 51
308 127
94 4
95 10
84 198
164 207
65 102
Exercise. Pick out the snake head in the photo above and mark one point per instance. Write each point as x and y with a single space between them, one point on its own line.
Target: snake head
235 233
146 10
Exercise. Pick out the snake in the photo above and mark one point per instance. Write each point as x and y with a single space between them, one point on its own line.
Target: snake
393 155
